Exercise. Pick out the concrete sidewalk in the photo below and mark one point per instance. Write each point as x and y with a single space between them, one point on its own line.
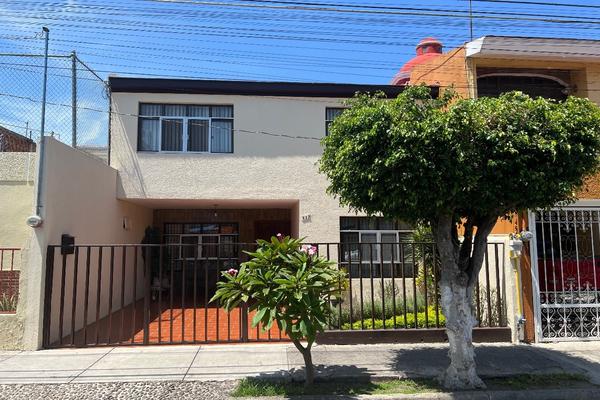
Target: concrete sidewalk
226 362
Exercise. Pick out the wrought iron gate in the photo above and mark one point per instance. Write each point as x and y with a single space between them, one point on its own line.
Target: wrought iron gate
568 274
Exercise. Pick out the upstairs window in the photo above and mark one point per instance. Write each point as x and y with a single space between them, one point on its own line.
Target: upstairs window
331 113
185 128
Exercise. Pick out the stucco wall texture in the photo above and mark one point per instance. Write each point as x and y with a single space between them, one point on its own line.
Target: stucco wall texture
79 198
262 167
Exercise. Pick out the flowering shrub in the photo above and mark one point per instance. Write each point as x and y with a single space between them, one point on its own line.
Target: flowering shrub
286 283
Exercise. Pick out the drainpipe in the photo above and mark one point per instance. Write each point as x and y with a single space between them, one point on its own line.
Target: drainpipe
36 220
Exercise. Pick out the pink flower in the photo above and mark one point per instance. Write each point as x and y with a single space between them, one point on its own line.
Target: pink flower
310 250
279 236
232 271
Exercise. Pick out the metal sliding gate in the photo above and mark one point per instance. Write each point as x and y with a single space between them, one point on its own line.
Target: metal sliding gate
160 294
568 274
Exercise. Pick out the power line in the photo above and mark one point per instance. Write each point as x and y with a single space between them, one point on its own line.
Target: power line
539 3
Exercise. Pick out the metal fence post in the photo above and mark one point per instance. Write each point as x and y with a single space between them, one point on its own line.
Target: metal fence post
74 99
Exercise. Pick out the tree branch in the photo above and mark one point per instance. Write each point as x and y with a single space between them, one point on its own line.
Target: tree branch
484 227
466 247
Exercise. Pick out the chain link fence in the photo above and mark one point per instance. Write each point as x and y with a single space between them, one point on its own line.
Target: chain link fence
77 105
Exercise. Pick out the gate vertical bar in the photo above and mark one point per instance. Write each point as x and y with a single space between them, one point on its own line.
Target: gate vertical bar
98 297
87 293
110 293
147 278
123 279
62 298
48 296
74 294
134 298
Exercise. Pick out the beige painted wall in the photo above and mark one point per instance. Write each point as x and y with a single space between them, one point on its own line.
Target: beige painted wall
79 198
16 197
262 167
16 204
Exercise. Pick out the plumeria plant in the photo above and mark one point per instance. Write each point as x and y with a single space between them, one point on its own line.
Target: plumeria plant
286 283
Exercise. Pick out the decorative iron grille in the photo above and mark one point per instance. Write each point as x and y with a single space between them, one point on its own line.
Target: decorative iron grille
568 249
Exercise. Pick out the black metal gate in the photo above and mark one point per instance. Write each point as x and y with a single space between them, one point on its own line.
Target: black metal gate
131 294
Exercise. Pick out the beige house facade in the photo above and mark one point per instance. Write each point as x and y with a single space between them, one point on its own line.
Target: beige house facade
207 163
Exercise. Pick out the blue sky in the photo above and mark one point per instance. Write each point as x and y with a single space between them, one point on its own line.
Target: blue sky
191 38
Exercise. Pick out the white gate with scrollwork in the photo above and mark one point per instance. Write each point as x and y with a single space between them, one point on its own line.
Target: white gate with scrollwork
566 273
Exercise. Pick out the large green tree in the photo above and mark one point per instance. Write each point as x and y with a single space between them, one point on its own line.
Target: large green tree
459 165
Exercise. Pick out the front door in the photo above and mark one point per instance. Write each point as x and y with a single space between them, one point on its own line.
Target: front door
266 229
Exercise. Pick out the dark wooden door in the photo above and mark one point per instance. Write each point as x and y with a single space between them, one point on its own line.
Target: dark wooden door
266 229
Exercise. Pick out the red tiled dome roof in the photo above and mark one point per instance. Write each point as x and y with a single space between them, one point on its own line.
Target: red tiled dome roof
427 49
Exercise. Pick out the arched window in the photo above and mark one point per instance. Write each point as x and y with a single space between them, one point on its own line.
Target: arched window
493 85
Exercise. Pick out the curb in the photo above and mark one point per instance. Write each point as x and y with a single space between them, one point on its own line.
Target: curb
540 394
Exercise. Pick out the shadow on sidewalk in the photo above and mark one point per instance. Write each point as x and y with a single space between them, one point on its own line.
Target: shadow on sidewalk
492 361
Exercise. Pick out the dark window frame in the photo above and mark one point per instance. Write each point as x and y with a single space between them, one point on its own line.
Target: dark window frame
187 117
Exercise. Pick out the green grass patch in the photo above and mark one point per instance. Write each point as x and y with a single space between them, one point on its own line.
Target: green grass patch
254 387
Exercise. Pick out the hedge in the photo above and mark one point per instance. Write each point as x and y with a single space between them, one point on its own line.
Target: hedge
400 322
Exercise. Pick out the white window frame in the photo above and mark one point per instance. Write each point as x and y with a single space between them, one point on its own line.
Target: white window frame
200 244
185 120
378 241
184 139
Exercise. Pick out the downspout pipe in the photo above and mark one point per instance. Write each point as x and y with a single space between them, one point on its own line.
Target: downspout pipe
42 146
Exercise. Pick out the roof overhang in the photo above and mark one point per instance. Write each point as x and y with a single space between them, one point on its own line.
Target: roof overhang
249 88
530 48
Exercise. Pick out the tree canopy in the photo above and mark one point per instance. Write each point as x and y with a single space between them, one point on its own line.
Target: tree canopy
416 157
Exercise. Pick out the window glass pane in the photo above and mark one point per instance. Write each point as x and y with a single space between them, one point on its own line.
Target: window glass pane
189 246
332 112
227 247
403 226
405 236
386 249
221 111
367 224
172 248
148 140
197 135
229 228
367 238
172 135
348 223
192 228
210 228
173 228
221 136
349 246
151 110
198 111
175 110
210 246
387 224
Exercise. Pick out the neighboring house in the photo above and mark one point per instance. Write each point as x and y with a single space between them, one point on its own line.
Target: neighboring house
13 142
561 276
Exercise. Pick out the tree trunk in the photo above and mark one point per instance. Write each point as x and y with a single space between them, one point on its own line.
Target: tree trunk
456 297
458 310
309 369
